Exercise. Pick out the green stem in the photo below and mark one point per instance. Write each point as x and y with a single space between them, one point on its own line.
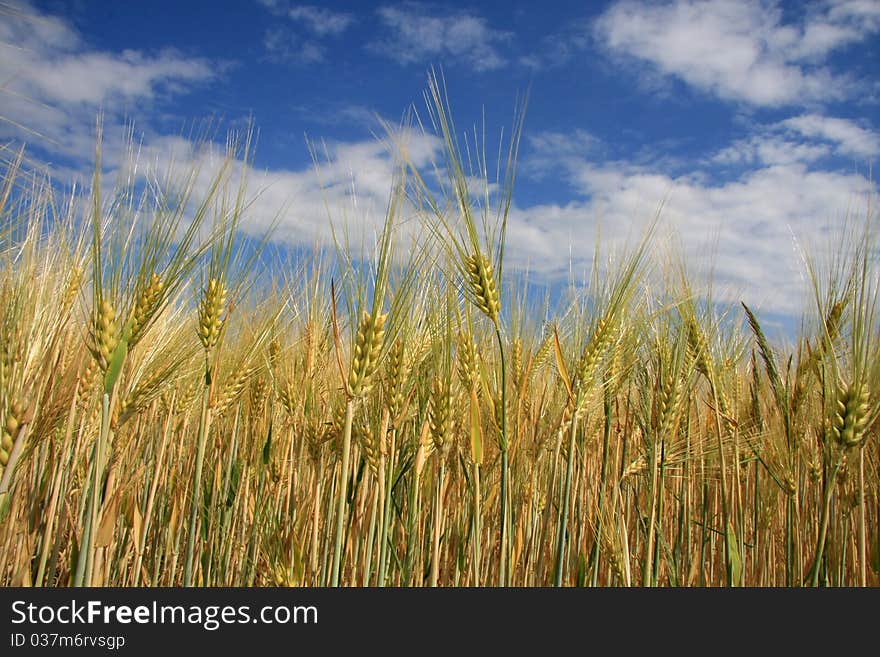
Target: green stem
196 500
375 521
863 543
658 515
566 495
83 574
504 575
343 490
438 522
823 528
789 540
383 530
478 526
314 570
606 439
725 511
648 558
411 533
79 574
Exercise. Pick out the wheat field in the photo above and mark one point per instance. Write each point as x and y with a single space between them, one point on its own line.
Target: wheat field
177 412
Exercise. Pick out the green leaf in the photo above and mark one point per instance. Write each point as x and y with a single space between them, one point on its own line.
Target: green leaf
267 448
733 556
560 364
115 366
233 484
476 428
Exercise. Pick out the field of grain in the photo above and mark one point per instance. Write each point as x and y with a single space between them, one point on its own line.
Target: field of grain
175 412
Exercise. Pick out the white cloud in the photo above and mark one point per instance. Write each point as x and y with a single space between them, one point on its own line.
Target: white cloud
282 45
748 232
867 11
413 35
757 219
849 138
779 194
770 151
321 21
801 139
576 142
349 185
286 43
53 84
329 113
95 78
559 47
740 49
44 58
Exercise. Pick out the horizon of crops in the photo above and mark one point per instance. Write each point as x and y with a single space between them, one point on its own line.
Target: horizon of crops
171 417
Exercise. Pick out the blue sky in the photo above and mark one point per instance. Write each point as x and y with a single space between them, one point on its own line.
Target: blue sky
756 121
